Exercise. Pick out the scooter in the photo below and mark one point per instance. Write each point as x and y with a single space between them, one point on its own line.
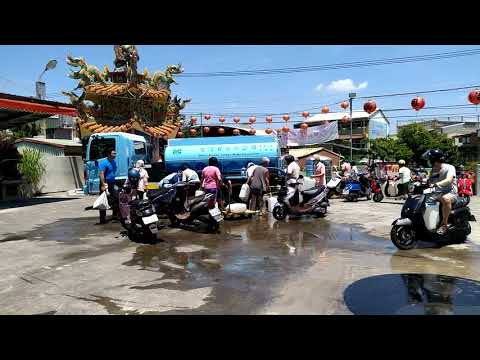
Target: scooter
355 189
191 213
291 200
376 186
137 216
420 219
335 186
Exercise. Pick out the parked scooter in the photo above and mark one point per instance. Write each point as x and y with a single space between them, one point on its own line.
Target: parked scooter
419 220
335 186
357 187
191 213
295 202
376 186
137 216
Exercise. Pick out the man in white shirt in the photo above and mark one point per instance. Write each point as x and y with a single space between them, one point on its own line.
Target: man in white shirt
293 169
405 178
189 175
250 169
319 172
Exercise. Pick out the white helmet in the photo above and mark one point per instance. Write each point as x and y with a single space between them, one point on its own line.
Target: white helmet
401 162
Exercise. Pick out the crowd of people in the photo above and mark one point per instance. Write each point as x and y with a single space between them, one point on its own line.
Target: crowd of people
443 178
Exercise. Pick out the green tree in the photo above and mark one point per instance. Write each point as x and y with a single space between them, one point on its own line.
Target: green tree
390 149
26 130
418 139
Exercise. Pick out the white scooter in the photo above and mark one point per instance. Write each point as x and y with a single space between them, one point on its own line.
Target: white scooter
335 186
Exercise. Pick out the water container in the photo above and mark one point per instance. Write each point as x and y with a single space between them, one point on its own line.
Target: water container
432 216
270 203
309 167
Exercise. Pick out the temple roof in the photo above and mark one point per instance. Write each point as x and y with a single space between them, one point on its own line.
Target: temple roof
167 130
95 90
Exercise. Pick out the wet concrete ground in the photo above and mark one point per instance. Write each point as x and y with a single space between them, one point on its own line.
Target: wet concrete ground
56 261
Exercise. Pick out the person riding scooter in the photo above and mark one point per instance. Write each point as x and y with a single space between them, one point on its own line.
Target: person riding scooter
444 184
293 174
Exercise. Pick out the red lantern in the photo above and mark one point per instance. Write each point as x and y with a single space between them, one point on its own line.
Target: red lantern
236 119
221 131
207 117
194 120
344 105
252 119
418 103
345 119
303 126
193 132
269 119
286 117
370 106
325 109
268 131
206 129
236 132
221 119
474 97
305 114
285 129
179 134
252 131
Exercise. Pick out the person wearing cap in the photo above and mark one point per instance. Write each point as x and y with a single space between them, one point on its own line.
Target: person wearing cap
250 168
259 184
405 178
143 182
319 171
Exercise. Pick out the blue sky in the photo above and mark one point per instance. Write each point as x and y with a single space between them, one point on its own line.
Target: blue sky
21 65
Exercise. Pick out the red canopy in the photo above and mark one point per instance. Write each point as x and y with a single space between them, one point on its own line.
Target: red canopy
32 107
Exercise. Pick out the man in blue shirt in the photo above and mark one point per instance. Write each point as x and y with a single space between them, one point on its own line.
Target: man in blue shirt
107 169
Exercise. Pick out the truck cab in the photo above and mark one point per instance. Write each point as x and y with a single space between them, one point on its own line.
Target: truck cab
129 147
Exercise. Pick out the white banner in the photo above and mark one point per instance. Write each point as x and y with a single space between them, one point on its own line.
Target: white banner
311 135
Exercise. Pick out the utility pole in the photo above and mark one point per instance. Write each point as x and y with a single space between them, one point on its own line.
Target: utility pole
350 99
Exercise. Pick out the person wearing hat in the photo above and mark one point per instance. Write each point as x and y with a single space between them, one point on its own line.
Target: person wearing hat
405 178
319 171
250 169
259 184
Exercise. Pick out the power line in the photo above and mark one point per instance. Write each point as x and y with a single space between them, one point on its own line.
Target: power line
418 92
366 63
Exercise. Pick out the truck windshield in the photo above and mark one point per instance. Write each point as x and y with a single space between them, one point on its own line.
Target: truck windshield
99 147
140 149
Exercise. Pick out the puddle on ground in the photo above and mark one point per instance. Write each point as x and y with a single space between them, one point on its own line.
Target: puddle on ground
413 294
246 261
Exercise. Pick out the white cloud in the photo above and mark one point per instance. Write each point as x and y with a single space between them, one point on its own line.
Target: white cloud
319 87
345 85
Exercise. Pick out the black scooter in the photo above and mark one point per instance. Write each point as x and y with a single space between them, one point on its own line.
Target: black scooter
190 213
411 227
295 203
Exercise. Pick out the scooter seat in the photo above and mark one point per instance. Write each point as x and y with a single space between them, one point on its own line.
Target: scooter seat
315 191
152 194
195 200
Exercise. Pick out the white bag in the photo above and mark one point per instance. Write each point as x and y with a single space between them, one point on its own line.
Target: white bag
102 202
244 192
237 208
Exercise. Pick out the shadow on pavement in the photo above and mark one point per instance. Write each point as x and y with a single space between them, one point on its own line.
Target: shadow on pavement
7 204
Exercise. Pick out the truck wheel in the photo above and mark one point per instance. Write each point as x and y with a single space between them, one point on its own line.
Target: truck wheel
403 237
378 197
279 212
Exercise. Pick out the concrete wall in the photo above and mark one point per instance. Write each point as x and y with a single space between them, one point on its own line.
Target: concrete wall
62 173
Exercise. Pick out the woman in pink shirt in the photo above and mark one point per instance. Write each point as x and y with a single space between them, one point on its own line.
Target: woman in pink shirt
212 178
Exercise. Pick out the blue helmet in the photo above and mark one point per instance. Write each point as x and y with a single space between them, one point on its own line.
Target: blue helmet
133 177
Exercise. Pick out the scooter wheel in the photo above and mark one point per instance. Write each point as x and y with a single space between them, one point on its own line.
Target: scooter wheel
279 212
403 237
378 197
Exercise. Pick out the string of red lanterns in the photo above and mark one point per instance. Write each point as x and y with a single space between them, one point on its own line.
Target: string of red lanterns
369 107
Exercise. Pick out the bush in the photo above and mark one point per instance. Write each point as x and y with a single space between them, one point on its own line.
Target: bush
32 168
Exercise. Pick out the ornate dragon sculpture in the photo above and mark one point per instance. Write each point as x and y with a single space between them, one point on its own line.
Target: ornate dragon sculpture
163 79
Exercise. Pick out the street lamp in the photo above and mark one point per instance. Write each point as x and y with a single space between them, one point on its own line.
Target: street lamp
351 96
39 85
